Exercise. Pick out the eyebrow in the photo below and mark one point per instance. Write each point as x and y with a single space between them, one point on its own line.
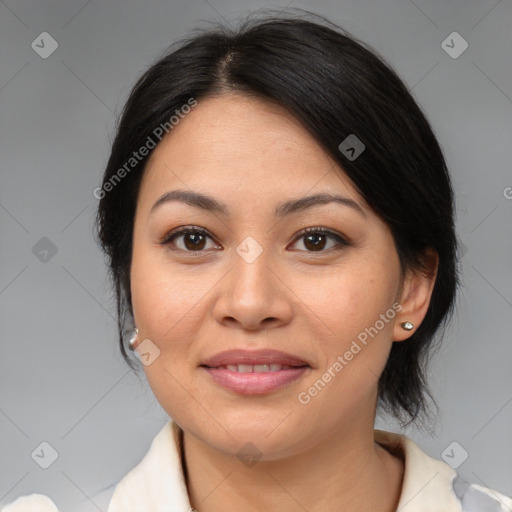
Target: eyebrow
283 209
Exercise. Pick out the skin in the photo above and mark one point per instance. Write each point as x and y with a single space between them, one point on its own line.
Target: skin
252 154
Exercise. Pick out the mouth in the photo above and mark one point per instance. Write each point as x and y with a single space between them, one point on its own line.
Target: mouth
259 359
255 368
249 382
254 372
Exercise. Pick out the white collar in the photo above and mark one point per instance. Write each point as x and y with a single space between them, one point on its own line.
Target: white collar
157 482
428 483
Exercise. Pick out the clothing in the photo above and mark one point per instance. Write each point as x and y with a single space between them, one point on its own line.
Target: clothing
157 483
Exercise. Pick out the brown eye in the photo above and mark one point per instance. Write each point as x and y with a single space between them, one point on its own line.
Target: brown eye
194 241
188 239
315 242
316 239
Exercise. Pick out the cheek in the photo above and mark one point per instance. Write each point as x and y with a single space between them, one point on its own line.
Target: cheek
162 297
163 305
349 301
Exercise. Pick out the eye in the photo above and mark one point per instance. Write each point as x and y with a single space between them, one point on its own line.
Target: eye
316 239
193 239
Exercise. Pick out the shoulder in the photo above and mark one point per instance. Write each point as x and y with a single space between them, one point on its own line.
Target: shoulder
43 503
476 497
155 482
430 484
31 503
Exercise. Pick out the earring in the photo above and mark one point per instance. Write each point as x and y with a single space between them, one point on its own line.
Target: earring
133 339
407 326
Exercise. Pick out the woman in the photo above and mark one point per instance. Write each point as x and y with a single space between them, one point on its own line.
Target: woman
278 218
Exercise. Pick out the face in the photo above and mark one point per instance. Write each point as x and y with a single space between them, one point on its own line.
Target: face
246 276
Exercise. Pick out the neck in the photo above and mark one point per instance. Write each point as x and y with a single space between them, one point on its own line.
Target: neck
345 468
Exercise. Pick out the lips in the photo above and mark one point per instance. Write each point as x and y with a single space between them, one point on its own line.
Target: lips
257 359
255 368
254 372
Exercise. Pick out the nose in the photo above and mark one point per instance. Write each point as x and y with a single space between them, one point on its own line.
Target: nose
252 296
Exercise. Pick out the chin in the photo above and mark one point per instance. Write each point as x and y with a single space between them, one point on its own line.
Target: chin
266 435
255 446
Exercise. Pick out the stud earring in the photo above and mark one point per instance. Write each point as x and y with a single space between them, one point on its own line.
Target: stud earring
407 326
133 339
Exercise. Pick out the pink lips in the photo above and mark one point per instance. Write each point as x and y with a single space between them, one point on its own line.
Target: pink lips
254 372
240 356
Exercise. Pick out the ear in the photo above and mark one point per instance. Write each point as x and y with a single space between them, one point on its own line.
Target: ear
414 295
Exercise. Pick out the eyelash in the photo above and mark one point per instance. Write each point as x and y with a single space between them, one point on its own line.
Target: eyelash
170 237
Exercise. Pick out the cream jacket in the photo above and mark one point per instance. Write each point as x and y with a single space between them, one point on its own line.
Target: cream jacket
157 484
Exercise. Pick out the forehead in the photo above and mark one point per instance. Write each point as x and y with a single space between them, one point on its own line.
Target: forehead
241 146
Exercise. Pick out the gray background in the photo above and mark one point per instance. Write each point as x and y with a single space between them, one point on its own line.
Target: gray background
62 379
